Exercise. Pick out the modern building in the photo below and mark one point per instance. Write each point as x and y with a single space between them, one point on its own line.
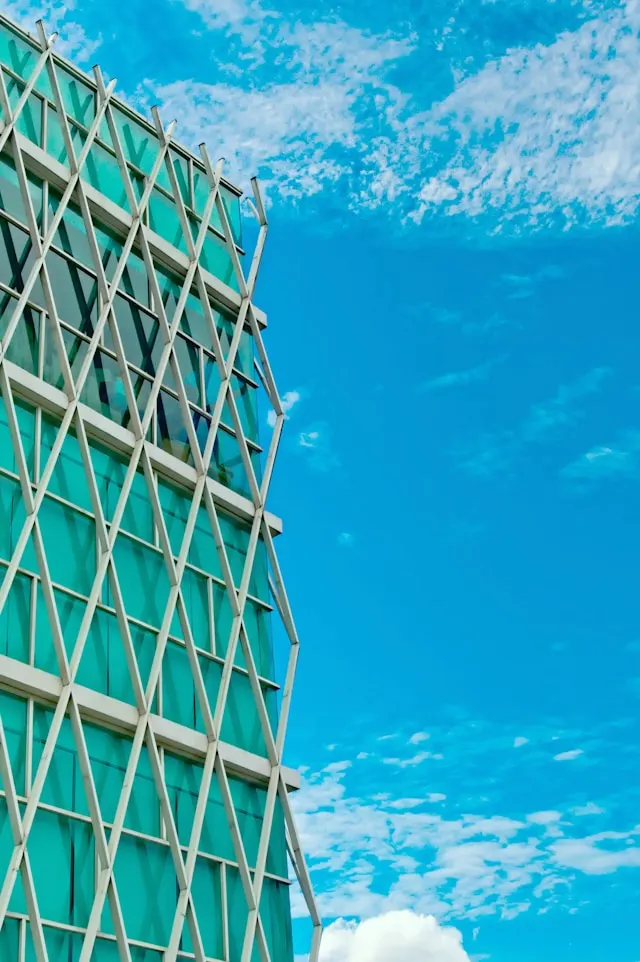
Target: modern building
144 806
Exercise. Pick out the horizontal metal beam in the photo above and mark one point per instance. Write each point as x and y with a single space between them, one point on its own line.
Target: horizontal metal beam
104 710
36 391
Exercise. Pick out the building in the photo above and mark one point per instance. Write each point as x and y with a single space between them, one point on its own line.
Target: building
140 595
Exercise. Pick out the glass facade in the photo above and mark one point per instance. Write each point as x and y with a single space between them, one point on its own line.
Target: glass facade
137 578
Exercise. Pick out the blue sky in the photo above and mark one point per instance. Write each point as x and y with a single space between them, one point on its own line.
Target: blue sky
452 286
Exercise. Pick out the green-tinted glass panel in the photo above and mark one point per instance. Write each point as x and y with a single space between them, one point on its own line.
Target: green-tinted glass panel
237 916
165 221
15 619
70 543
172 432
11 196
13 711
78 97
29 122
139 144
75 293
207 898
215 258
147 888
275 912
102 172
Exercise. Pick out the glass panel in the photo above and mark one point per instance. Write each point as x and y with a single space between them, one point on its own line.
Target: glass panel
139 144
14 619
16 258
172 433
147 888
30 120
76 349
188 357
11 196
102 172
140 335
215 258
75 293
164 220
70 543
77 96
134 279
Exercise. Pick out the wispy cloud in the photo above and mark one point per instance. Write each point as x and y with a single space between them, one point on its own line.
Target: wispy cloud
461 378
545 420
568 756
544 136
520 741
618 459
316 444
288 401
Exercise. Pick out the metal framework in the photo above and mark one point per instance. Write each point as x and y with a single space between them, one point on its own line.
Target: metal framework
71 700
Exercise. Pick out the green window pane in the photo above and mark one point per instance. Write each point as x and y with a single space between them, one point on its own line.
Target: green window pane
179 702
75 293
102 172
14 619
143 580
70 544
207 898
78 97
109 755
29 122
9 936
68 479
61 855
26 424
275 912
12 516
231 203
175 504
249 802
140 335
17 902
139 144
188 358
215 258
241 722
13 711
257 623
135 280
172 432
165 221
11 196
237 916
147 888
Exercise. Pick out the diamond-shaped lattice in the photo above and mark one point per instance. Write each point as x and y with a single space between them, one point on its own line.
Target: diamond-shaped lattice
137 565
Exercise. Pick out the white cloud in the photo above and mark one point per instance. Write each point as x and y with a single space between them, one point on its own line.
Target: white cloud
288 401
416 759
520 741
568 756
547 133
589 856
589 809
437 860
617 459
543 136
462 378
401 936
418 737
